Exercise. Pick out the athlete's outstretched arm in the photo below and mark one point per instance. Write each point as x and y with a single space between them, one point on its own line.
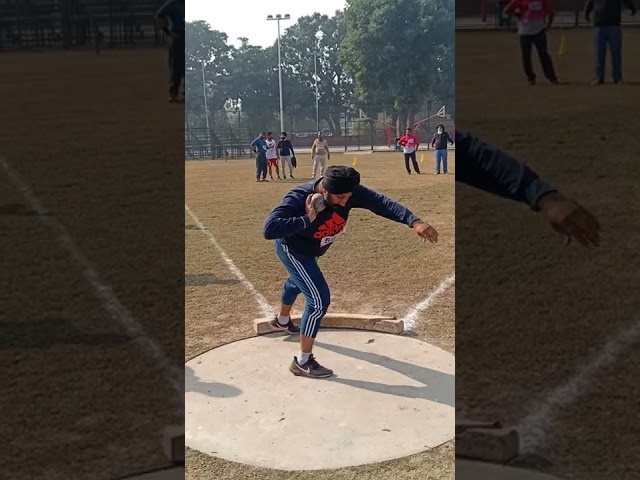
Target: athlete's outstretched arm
490 169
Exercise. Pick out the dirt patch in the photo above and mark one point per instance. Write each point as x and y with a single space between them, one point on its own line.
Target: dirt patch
86 148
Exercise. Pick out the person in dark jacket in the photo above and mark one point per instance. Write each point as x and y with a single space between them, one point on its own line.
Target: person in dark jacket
489 169
304 230
286 153
439 143
607 16
170 17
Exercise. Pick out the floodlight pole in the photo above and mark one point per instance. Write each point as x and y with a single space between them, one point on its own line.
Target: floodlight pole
277 18
315 72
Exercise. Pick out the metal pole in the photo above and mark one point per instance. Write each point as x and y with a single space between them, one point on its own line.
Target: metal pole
315 69
280 81
206 110
428 116
204 94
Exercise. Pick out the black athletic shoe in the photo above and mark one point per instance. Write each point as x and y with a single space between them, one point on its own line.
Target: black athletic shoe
311 369
291 328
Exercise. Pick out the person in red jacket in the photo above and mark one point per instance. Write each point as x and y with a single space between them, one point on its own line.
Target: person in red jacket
410 144
534 18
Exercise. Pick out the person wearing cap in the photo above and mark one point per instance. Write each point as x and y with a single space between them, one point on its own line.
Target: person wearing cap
319 154
439 143
410 144
259 147
285 150
302 234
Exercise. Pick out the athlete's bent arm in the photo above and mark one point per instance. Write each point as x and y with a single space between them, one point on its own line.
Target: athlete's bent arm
285 220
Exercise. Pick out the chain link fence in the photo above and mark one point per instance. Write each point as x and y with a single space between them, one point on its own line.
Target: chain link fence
75 24
487 15
369 127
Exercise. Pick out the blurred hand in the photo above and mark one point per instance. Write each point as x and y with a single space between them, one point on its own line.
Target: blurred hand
425 231
570 219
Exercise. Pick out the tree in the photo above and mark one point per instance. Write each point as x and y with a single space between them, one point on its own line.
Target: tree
399 53
322 35
204 45
253 88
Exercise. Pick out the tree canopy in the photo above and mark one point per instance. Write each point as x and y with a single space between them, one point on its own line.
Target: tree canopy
395 54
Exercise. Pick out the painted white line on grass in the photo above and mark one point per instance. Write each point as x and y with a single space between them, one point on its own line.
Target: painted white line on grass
536 426
410 318
265 308
103 292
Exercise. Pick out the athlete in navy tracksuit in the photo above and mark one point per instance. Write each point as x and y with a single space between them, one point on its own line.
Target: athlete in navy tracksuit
302 235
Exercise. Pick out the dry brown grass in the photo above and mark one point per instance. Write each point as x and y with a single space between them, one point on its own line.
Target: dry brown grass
530 312
377 267
73 380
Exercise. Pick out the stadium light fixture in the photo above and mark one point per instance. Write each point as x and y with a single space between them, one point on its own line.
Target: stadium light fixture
278 18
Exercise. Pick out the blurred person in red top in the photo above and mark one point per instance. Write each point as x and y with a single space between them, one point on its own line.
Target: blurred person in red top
410 144
534 18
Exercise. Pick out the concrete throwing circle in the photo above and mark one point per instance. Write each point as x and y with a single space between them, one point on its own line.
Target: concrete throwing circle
391 396
470 470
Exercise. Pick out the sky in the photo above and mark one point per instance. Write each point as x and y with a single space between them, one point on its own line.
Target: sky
248 18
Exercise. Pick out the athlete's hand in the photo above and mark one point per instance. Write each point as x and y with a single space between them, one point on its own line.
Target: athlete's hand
311 212
570 219
425 231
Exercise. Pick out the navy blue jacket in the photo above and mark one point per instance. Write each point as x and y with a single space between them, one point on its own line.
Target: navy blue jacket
285 147
289 223
489 169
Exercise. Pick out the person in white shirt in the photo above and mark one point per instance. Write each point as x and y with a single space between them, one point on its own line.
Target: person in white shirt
272 155
320 154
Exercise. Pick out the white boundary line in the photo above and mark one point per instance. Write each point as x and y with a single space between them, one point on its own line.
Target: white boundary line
410 318
534 428
265 308
103 292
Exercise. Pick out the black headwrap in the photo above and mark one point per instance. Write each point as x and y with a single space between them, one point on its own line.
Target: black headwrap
340 179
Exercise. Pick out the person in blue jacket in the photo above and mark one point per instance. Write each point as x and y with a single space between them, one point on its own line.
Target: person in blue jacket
303 233
259 147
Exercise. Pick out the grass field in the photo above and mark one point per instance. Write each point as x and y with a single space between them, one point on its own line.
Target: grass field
544 312
377 267
83 397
